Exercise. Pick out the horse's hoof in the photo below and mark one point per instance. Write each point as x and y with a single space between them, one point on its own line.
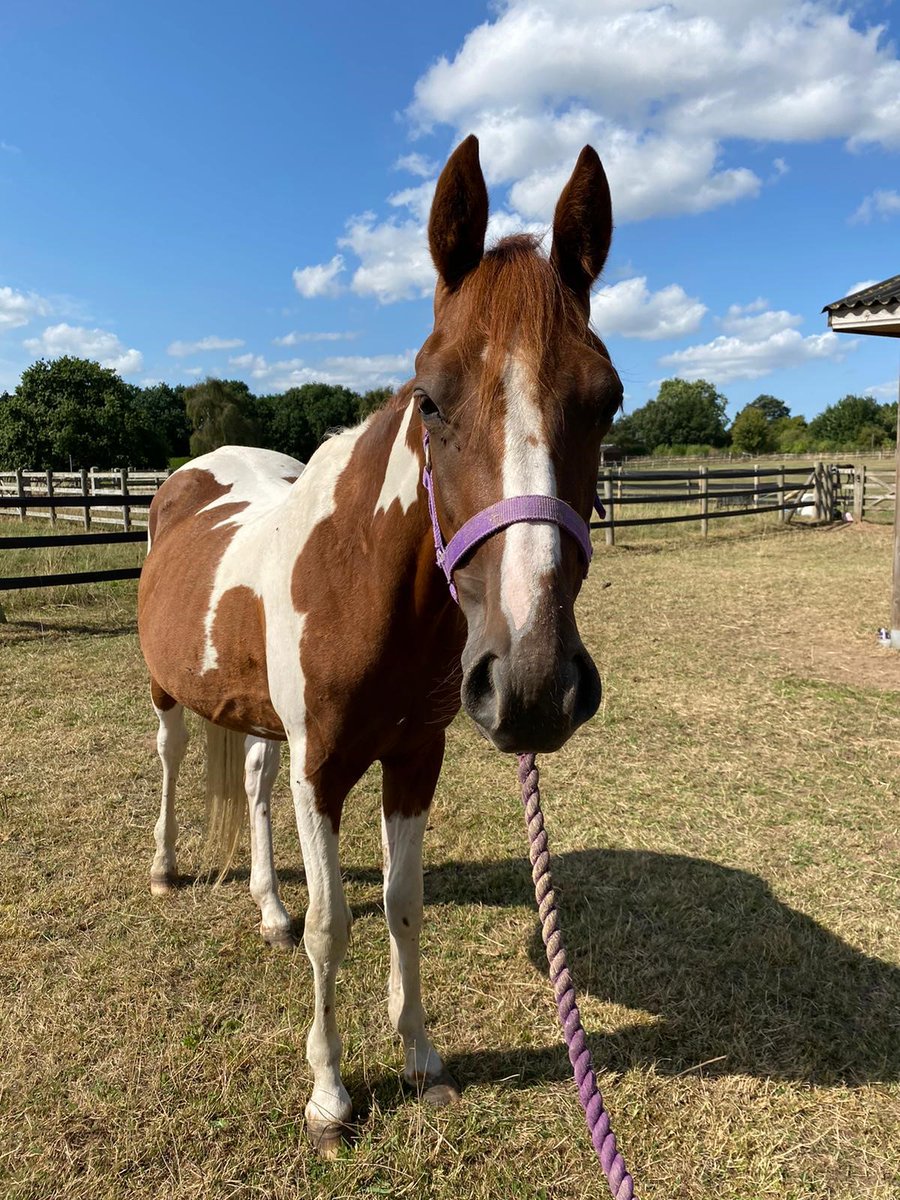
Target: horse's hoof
162 885
328 1140
279 939
442 1091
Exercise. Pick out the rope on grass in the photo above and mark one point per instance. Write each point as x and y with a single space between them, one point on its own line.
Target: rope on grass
621 1185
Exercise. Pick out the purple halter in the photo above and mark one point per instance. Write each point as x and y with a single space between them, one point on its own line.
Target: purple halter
497 517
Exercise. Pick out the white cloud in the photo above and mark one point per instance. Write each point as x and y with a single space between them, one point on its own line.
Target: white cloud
630 309
193 372
755 322
861 286
758 343
183 349
9 148
321 279
359 372
885 392
672 95
97 344
394 262
658 89
416 164
294 338
18 308
881 203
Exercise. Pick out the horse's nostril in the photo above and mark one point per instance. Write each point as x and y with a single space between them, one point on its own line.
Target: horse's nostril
588 688
478 691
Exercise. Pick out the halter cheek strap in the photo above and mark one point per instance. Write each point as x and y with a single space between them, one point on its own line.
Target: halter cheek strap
497 517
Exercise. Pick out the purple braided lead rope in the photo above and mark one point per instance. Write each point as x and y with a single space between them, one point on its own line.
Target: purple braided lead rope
621 1185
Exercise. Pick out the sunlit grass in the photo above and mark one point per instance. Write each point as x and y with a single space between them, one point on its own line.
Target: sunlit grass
727 855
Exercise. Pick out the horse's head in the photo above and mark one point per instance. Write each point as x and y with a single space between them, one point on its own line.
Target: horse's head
516 393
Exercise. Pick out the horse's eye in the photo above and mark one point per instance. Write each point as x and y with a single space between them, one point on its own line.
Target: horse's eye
427 407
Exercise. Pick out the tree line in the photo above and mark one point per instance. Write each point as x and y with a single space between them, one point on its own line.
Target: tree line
689 418
70 413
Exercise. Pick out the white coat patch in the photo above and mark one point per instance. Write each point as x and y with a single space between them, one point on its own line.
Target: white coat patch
401 476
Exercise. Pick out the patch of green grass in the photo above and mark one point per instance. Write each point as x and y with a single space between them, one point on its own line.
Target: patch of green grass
726 850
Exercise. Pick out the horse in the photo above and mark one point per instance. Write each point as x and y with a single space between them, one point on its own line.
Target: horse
304 604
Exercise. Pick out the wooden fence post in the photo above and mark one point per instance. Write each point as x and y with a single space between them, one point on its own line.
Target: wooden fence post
819 487
782 511
608 505
20 492
50 497
84 492
859 493
126 507
703 485
756 486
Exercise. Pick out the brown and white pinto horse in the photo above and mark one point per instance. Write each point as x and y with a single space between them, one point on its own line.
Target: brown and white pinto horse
303 604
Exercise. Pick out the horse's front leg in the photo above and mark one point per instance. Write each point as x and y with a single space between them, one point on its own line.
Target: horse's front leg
326 936
408 788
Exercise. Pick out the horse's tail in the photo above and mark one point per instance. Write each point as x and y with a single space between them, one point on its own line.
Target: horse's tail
226 797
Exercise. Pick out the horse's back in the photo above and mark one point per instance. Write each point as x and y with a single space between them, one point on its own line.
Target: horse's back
243 481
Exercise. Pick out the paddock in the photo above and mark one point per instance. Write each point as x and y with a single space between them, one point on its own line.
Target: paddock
727 853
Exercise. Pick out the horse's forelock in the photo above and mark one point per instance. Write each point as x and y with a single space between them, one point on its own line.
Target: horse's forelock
516 304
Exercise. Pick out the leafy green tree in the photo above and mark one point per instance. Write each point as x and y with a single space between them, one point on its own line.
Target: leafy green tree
683 413
72 411
626 436
751 433
854 422
791 435
773 408
371 401
300 419
164 407
222 413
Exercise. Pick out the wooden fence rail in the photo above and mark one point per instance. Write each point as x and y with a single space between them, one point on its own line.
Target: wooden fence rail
822 493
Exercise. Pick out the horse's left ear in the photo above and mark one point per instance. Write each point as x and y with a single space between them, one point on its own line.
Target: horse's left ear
582 226
459 215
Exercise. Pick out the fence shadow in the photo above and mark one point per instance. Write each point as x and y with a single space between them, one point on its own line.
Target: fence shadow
736 980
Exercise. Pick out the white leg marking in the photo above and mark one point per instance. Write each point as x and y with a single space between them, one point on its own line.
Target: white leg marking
326 936
171 743
401 839
260 771
530 550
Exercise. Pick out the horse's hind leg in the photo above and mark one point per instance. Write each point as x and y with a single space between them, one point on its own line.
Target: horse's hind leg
408 786
260 770
171 743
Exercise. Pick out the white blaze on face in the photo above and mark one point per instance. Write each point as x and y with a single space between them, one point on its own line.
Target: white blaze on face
532 550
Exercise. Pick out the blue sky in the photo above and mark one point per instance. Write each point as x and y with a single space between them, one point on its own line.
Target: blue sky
241 190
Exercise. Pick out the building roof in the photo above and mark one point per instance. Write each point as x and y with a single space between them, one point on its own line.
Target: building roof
874 309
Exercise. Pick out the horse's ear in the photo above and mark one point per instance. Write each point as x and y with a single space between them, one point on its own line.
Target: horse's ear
582 225
459 215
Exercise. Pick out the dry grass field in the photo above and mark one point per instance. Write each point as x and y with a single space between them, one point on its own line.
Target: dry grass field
727 851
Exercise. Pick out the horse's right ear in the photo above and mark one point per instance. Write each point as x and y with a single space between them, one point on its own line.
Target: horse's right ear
459 215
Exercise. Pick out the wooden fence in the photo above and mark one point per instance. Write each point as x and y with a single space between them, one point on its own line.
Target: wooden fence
707 493
713 493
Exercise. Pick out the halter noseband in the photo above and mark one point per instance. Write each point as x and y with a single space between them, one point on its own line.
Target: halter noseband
497 517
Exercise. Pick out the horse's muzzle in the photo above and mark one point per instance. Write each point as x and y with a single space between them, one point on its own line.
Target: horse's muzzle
523 705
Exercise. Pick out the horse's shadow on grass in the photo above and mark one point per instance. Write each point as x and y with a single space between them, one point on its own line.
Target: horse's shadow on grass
736 981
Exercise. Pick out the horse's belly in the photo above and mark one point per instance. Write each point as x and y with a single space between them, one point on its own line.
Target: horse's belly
202 633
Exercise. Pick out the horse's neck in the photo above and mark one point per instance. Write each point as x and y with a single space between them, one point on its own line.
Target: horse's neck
380 504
